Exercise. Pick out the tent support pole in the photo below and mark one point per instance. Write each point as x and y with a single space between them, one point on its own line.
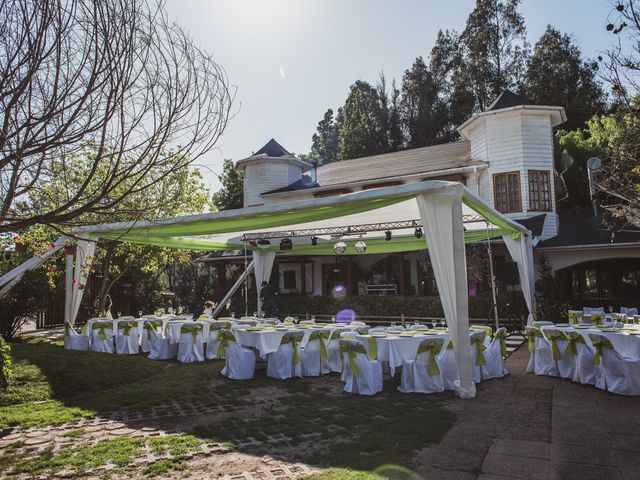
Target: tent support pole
246 284
233 290
493 279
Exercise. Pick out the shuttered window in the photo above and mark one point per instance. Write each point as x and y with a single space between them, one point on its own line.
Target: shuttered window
506 192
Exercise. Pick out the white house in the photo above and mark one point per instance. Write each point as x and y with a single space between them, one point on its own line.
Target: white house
506 156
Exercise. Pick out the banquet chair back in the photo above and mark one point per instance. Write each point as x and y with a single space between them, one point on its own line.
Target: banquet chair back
213 342
332 341
145 337
614 372
396 329
240 362
378 330
540 350
74 340
476 340
448 366
575 317
314 356
594 315
423 374
495 355
585 370
486 329
160 347
362 375
417 326
562 365
629 311
127 338
307 322
349 335
285 361
102 337
191 344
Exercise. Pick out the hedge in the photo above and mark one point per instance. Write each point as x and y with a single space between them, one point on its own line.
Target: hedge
5 364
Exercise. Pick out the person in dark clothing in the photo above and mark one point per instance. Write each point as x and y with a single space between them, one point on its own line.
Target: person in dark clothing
269 300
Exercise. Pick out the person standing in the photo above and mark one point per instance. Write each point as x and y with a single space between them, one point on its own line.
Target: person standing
268 296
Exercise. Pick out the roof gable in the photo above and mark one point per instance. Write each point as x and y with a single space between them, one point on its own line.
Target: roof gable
273 149
508 99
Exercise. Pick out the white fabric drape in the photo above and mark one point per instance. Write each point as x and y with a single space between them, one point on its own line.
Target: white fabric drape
9 279
443 229
263 263
521 252
84 257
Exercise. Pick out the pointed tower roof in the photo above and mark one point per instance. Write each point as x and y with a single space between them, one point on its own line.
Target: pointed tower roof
508 99
272 151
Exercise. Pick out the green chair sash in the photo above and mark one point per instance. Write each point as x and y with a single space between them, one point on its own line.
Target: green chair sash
194 330
101 327
126 327
150 325
318 336
599 345
501 336
487 330
480 348
596 318
574 317
67 328
434 348
571 344
531 343
555 350
373 348
224 337
294 340
352 350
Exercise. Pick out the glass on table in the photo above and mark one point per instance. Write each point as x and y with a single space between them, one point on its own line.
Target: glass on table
139 313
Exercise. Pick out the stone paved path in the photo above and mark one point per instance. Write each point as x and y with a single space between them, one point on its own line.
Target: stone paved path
537 428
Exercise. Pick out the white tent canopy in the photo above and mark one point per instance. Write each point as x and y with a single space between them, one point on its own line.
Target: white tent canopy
440 206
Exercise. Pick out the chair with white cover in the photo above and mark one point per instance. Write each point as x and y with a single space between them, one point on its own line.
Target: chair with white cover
614 372
127 338
423 375
314 356
448 366
416 326
584 370
145 337
563 365
74 340
540 350
102 337
362 375
307 322
285 362
495 355
378 330
476 340
395 329
213 342
240 362
629 311
487 330
191 345
332 341
160 347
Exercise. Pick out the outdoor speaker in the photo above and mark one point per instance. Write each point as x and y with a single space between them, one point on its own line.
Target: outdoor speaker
507 273
286 244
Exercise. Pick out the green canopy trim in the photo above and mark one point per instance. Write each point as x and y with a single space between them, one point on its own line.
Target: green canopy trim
490 214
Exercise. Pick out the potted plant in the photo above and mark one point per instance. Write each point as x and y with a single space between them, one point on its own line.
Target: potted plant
20 245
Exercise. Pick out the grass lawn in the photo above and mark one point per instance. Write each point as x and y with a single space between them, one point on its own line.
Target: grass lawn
303 420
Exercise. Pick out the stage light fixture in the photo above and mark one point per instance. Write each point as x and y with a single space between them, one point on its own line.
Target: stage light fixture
286 244
418 232
360 246
387 235
314 240
339 248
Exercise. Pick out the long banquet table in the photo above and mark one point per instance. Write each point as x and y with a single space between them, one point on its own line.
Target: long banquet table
626 340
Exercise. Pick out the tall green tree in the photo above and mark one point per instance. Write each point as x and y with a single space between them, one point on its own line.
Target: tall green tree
447 66
324 148
423 114
496 49
557 75
231 195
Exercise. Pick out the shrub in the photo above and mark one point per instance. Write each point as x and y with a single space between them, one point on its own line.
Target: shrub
5 364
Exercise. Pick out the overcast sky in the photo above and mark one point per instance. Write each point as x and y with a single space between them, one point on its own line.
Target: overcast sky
290 60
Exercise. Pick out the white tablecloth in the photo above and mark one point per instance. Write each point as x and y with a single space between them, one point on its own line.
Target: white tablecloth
627 344
399 350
